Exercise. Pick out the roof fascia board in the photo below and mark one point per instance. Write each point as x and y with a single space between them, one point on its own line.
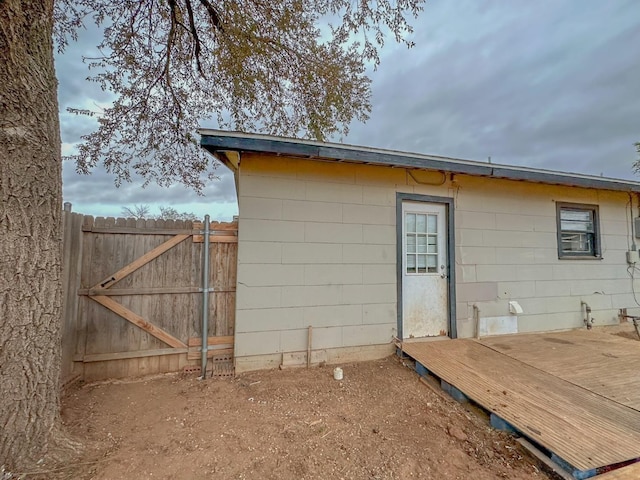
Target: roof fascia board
563 179
404 161
215 141
259 145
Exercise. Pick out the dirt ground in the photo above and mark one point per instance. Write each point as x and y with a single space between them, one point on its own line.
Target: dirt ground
379 422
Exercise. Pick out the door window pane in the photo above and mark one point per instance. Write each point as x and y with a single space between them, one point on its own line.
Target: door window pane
432 263
421 223
432 244
411 243
422 244
411 222
411 264
432 224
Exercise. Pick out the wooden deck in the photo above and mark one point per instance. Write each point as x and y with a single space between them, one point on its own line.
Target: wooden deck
605 364
575 393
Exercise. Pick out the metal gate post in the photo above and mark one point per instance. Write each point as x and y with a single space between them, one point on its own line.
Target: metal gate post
205 298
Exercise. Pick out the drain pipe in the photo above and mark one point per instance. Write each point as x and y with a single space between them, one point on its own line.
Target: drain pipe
588 319
476 316
205 298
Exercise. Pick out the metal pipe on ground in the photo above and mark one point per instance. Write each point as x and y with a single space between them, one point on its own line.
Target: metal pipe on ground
309 340
205 297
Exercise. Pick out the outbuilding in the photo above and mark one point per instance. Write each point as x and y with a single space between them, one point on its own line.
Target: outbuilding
345 250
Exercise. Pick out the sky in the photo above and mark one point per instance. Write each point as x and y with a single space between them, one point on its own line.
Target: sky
551 84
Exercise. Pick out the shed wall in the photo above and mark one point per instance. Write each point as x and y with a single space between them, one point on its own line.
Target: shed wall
317 247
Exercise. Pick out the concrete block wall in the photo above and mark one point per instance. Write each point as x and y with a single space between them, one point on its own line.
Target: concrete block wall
506 249
317 247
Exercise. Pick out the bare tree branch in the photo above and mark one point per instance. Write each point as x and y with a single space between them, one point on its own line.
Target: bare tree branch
196 39
213 15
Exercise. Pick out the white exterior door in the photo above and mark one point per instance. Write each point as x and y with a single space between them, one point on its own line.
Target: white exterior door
424 270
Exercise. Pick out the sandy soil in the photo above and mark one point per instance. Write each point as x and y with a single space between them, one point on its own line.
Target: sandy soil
380 422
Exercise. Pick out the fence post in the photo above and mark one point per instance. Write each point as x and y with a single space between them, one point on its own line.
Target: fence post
205 298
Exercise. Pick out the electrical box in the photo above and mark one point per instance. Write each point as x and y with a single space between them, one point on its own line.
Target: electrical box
636 226
632 257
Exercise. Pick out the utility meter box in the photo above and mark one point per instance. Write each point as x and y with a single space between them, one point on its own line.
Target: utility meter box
636 226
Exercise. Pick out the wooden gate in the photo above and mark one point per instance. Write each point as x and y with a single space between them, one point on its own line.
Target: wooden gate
140 305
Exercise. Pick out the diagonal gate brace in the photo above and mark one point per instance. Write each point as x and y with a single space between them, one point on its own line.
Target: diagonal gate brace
138 321
139 262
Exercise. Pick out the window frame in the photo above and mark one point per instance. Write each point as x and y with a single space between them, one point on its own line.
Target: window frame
597 253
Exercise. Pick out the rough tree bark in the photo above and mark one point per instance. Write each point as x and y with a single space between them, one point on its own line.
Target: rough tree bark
30 235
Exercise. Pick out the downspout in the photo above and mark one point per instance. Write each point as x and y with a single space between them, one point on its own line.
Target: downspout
205 298
633 232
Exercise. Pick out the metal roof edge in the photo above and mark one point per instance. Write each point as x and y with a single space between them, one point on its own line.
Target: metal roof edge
216 140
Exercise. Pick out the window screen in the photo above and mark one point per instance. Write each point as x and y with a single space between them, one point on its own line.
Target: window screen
578 234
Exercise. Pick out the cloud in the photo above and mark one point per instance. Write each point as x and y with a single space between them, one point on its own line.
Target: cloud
96 194
549 84
73 88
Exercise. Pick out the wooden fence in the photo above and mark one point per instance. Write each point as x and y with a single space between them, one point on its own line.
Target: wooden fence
133 296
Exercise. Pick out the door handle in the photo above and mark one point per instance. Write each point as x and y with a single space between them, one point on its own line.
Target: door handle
443 275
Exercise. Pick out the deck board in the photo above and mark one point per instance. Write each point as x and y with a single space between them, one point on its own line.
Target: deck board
600 362
580 426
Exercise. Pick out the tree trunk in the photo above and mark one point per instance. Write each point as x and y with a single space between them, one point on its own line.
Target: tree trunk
30 235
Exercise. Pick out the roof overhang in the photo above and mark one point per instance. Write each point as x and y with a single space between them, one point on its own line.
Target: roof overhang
227 145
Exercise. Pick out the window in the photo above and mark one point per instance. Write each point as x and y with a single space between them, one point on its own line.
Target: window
578 230
421 236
